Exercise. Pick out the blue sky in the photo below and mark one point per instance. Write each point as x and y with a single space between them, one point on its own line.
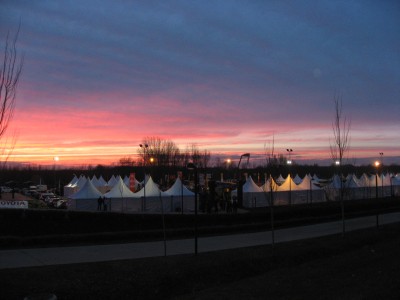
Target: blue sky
225 75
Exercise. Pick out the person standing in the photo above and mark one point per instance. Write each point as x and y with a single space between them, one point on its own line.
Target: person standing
100 203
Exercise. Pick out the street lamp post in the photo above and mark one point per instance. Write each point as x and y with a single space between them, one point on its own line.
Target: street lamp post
381 154
145 146
289 163
377 163
338 165
193 167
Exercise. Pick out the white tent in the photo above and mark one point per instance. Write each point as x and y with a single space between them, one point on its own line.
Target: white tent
153 197
308 192
74 185
253 195
351 182
94 180
178 189
306 184
363 181
112 181
151 189
121 198
87 191
120 190
126 181
335 183
284 192
180 198
297 179
280 180
266 187
81 182
71 187
73 181
250 186
315 178
287 185
85 198
101 181
101 184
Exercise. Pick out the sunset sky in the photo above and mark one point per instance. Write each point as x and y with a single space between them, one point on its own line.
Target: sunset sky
99 76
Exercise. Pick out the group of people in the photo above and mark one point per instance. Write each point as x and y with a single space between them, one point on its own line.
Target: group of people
101 204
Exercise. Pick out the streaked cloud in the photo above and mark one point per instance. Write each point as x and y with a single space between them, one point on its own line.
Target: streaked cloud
100 76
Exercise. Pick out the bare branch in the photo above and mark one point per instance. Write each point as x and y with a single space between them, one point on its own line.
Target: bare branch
9 78
341 129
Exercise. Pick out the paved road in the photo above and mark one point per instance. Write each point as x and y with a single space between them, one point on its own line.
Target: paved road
68 255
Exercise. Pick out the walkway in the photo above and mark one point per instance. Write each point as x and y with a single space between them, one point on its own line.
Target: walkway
79 254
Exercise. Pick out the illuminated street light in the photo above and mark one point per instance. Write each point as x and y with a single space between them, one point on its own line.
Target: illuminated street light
377 164
145 146
381 154
290 152
289 162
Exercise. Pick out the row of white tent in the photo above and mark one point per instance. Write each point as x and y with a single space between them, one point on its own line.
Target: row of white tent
309 189
120 189
83 194
99 182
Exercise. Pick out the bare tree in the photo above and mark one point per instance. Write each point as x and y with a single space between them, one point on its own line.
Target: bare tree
341 129
205 158
10 72
126 161
270 183
270 153
198 157
341 143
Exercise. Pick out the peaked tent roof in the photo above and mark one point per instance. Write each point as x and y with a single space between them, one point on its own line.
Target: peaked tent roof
112 181
280 179
152 189
178 189
297 179
120 190
73 181
363 181
81 182
306 184
126 181
87 191
315 178
266 187
101 181
335 182
95 181
288 185
250 186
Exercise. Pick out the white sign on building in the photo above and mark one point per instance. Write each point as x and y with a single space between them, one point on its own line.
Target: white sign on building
14 204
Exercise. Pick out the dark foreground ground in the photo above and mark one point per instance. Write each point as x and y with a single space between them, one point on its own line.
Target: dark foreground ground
362 265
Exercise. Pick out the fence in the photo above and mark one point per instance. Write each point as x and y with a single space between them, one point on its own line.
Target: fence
169 204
